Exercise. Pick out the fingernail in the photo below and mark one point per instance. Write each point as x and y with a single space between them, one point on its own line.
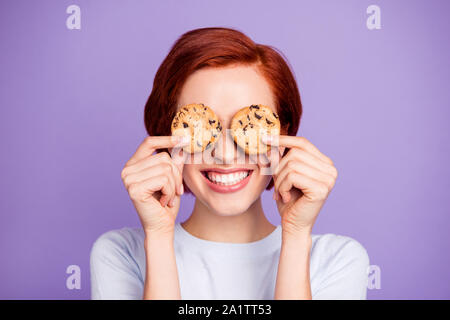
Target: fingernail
181 189
172 202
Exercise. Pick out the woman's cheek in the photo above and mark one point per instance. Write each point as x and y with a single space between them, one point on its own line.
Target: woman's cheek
189 178
262 178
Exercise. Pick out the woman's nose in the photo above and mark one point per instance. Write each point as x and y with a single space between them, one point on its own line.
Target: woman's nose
225 149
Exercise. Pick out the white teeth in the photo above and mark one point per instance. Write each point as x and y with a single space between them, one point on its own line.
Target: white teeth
227 179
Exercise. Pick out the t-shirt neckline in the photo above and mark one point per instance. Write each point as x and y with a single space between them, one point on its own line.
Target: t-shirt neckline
265 245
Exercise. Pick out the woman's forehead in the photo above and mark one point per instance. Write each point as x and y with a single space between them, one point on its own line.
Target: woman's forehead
227 90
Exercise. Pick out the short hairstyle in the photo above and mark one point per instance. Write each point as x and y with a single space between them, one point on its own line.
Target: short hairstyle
219 47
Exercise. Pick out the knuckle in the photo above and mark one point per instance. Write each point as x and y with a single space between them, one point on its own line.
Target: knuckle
330 183
148 140
322 191
133 191
126 181
291 164
302 139
165 179
290 176
334 172
165 156
167 168
123 173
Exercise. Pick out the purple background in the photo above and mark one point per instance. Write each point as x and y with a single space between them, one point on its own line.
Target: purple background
376 102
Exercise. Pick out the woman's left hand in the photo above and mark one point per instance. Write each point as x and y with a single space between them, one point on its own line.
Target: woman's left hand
303 178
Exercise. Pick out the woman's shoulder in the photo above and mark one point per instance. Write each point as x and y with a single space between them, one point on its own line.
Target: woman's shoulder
118 241
339 266
334 248
117 264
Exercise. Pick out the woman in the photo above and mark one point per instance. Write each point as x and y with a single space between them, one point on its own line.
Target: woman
226 249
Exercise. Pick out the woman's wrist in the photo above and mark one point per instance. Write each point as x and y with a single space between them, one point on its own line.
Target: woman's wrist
298 239
158 236
293 279
161 280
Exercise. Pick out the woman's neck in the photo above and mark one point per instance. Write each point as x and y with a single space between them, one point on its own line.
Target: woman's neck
252 225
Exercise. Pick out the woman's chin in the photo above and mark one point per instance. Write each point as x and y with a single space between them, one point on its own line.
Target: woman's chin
228 208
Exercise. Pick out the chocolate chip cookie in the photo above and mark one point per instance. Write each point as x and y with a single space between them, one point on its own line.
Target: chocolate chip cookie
198 122
250 123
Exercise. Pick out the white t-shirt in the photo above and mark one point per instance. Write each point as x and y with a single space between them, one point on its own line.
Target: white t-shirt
217 270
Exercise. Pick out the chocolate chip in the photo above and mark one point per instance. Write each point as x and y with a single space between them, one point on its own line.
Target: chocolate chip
199 144
208 145
185 125
212 121
275 115
269 122
240 122
257 116
248 117
253 106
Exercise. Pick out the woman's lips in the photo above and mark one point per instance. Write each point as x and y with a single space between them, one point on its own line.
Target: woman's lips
225 181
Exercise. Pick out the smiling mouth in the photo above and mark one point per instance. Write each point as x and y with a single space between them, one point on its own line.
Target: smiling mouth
226 179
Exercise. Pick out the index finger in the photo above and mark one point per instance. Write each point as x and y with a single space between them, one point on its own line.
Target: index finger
152 143
296 142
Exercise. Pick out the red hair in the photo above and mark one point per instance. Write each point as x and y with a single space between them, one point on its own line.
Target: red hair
219 47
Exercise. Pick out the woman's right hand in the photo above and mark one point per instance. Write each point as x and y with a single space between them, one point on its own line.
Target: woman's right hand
154 182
